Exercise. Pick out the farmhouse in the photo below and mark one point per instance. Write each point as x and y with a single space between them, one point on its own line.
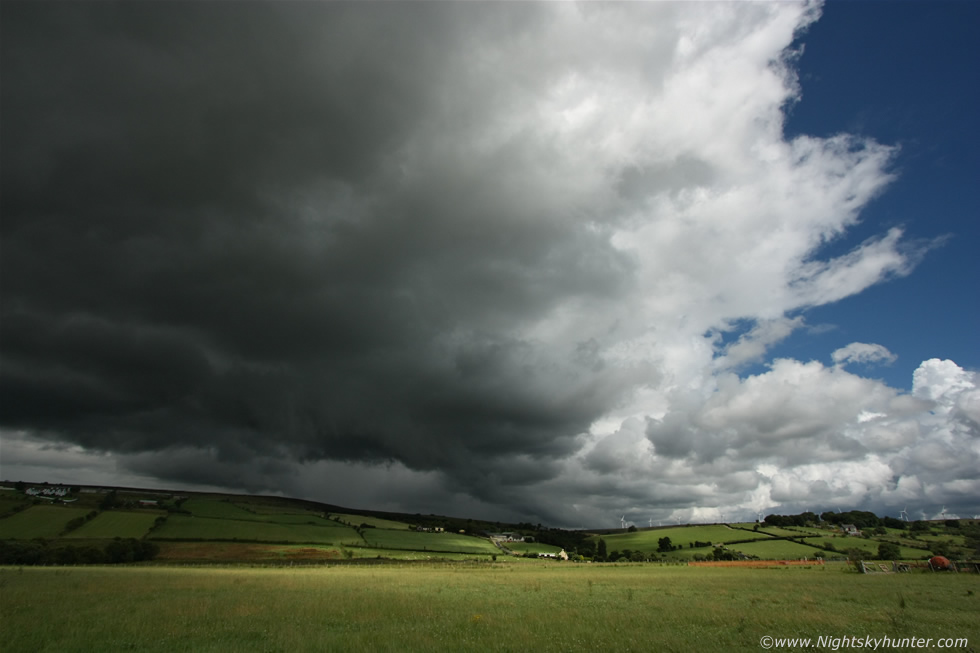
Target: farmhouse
850 529
47 492
508 537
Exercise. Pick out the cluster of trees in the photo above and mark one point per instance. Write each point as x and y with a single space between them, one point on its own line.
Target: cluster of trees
664 545
863 519
600 554
77 522
158 522
860 518
627 555
889 551
801 519
109 501
722 554
568 540
595 550
39 552
177 507
870 522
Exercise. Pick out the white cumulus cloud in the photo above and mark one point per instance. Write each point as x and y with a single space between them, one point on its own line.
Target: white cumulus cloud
861 352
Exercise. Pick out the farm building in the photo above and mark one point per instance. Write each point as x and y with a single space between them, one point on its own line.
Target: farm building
46 492
508 537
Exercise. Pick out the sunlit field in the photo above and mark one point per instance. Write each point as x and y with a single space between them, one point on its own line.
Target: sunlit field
532 547
469 607
445 542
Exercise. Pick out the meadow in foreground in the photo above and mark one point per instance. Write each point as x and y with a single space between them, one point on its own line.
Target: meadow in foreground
469 607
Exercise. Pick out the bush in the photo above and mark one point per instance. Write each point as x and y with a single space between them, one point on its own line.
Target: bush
888 551
109 501
721 554
74 524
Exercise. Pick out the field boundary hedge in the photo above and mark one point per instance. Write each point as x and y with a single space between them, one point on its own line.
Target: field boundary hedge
753 563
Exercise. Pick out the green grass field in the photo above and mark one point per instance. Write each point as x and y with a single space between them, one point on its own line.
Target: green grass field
952 538
377 522
10 502
260 506
532 547
460 607
411 540
776 531
183 527
116 524
360 553
218 509
681 536
843 544
38 521
776 550
295 518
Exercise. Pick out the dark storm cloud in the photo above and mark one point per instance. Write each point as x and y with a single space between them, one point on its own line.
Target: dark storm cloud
206 243
475 255
192 104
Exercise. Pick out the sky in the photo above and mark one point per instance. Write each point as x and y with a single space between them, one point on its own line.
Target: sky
552 262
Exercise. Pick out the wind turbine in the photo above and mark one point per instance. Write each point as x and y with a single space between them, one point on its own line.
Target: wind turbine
942 513
651 522
622 521
904 514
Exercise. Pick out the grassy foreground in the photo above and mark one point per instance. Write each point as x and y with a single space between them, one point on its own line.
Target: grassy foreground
465 607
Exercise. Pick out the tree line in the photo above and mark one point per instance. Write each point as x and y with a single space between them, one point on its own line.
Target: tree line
40 552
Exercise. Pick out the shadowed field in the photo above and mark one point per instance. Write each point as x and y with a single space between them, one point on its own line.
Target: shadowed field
39 521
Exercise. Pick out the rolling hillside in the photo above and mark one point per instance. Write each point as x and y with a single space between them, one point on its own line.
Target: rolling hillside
85 523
